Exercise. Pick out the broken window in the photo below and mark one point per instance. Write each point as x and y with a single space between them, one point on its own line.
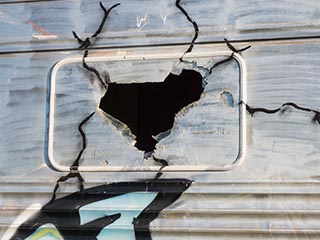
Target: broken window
146 111
181 113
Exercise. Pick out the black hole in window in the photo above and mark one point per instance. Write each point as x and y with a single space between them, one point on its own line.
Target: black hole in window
150 108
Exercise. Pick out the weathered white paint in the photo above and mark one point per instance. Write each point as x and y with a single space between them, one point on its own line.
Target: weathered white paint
24 216
274 194
216 129
49 23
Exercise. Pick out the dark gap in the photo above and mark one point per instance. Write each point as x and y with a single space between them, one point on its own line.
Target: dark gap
252 40
149 108
28 1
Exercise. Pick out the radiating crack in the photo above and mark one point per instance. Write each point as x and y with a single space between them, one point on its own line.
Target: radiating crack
196 33
84 44
92 69
195 26
147 109
282 109
74 173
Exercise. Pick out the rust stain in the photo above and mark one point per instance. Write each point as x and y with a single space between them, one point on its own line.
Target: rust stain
38 28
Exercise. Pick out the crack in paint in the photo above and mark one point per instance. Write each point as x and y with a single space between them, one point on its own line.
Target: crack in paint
65 213
227 97
142 107
84 44
140 98
282 109
195 26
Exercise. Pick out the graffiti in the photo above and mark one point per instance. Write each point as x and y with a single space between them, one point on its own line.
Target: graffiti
195 26
121 210
84 44
149 109
284 107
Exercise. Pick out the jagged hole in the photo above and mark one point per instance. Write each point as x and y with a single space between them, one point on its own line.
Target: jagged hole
149 108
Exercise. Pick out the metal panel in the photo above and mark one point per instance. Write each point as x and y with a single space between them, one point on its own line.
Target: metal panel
272 195
233 122
48 25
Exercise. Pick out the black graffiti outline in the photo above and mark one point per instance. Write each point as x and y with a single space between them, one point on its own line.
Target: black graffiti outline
163 162
195 26
282 109
64 214
85 44
74 173
141 223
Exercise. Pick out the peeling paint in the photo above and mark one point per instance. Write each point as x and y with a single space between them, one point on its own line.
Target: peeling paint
227 98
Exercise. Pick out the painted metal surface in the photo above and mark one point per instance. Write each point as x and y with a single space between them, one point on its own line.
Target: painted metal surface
197 159
273 194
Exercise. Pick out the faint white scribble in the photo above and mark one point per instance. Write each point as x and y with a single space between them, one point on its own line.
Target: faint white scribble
164 18
142 21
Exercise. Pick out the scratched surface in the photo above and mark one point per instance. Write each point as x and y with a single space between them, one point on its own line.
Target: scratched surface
48 25
206 126
274 194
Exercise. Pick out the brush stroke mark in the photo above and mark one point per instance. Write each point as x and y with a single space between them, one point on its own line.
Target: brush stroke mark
46 231
96 212
282 109
43 32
